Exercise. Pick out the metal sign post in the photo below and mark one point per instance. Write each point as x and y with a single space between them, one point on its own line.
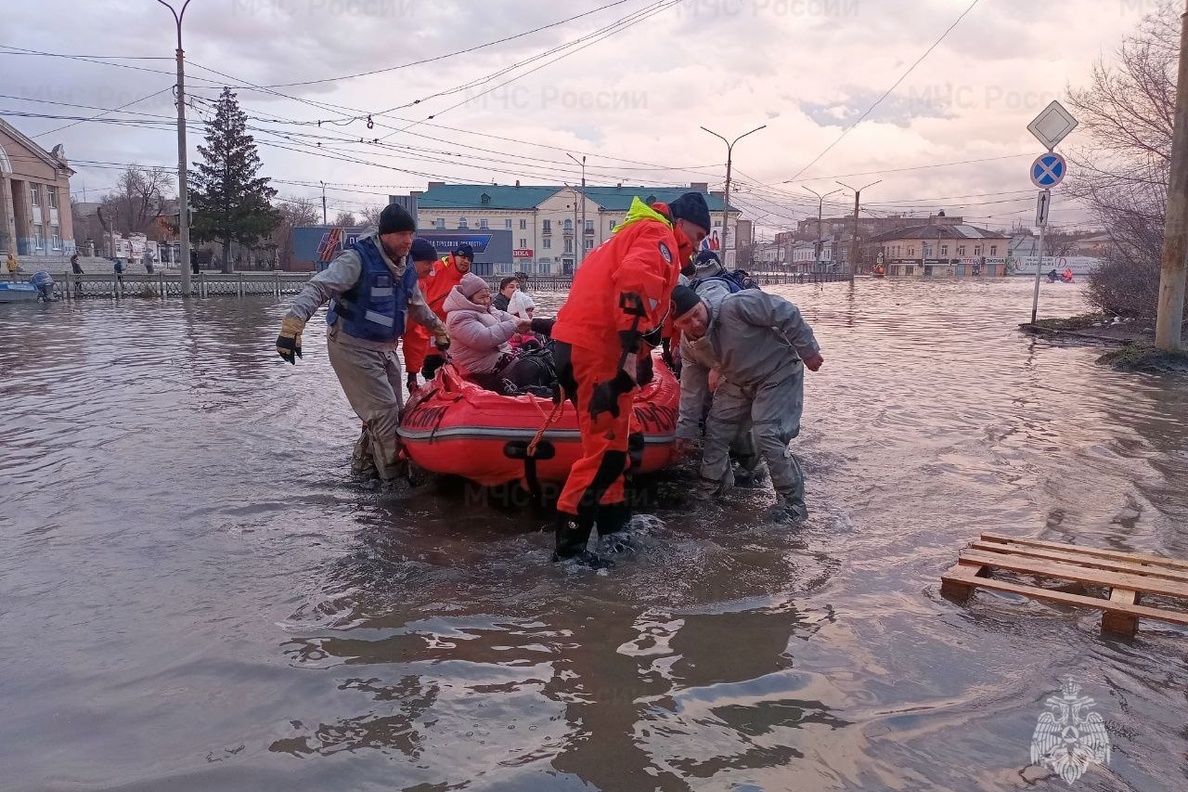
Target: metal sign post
1050 127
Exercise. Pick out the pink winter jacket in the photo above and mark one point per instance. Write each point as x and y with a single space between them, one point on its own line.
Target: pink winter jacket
478 336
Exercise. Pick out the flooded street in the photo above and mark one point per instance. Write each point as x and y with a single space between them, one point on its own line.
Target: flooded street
194 594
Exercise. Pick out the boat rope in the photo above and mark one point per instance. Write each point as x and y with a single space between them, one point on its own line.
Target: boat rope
553 417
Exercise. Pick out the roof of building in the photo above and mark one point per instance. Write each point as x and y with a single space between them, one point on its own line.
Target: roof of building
528 197
47 157
939 232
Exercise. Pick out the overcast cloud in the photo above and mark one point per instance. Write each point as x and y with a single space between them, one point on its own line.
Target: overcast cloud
631 103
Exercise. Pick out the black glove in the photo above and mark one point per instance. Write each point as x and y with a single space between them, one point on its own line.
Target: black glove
606 395
653 337
432 364
666 353
629 341
644 370
543 326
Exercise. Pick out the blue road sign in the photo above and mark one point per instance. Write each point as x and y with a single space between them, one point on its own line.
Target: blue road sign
1047 170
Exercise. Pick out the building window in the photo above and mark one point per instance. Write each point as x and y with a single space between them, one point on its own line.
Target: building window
944 250
590 226
523 243
569 246
994 250
37 243
440 222
523 225
486 199
610 226
52 194
55 238
461 222
547 226
507 224
35 194
589 244
546 243
977 250
911 252
483 223
961 250
568 226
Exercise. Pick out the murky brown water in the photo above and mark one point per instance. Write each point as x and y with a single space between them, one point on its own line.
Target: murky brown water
194 595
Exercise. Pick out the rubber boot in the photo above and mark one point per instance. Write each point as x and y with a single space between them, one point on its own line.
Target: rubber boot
573 533
612 521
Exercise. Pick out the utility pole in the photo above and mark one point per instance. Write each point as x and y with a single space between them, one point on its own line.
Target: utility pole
820 204
183 190
857 208
726 193
324 221
583 237
1170 315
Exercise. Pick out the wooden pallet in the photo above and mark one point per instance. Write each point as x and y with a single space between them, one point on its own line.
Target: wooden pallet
1128 577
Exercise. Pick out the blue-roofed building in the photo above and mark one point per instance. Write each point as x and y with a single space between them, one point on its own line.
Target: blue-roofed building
552 226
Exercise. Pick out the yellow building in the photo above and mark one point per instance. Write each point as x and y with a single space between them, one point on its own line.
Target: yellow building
943 250
35 219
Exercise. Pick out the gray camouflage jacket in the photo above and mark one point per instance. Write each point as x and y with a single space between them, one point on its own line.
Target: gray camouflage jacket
753 337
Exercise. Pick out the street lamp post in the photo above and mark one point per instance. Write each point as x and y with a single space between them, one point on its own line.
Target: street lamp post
324 222
854 242
820 204
183 190
583 236
726 192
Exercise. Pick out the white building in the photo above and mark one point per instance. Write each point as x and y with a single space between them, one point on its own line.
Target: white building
554 227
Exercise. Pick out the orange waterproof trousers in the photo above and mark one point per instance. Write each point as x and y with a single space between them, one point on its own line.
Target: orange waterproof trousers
597 478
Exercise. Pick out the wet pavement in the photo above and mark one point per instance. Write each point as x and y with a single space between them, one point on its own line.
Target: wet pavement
195 595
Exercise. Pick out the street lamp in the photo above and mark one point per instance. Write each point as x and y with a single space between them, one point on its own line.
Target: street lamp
726 194
583 235
820 204
323 202
854 242
183 190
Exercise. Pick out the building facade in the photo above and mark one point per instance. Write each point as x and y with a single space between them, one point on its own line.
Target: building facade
554 227
35 218
943 250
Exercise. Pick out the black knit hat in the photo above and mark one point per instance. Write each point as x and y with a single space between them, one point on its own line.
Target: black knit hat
684 300
423 250
465 251
692 207
395 219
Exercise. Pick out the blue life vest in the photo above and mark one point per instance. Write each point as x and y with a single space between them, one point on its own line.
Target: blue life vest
374 308
735 280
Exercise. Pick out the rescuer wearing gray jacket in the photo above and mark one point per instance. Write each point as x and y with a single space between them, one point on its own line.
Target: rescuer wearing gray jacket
372 291
759 344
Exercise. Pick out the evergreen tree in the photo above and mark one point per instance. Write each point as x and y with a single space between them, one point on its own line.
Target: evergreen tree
230 202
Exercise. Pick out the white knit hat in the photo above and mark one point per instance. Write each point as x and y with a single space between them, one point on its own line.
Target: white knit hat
520 304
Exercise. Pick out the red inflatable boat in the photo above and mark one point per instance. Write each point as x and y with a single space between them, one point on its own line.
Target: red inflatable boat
454 426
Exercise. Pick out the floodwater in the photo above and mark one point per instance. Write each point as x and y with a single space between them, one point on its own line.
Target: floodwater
194 594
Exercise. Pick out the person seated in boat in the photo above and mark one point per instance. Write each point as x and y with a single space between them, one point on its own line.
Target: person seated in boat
507 288
1053 276
521 306
1067 276
480 337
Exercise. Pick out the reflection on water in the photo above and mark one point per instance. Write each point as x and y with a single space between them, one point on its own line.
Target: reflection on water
195 595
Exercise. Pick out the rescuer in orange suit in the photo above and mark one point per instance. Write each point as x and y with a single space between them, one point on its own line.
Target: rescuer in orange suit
447 273
416 344
620 293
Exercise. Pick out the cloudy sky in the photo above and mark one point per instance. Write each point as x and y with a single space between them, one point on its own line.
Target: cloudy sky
625 84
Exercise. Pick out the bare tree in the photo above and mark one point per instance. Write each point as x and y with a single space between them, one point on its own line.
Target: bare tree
136 203
370 216
344 220
1122 175
293 212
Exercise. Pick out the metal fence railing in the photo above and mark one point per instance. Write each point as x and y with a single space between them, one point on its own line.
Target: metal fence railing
161 285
